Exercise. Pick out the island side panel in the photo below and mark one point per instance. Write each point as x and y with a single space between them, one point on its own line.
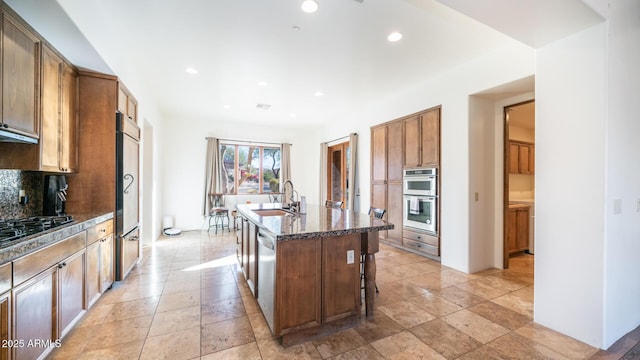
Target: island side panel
370 243
298 285
341 280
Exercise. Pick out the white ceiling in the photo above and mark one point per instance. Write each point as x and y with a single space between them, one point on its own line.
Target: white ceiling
340 50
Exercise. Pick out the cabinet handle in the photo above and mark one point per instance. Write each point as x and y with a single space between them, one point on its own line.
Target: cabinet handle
5 126
103 230
60 266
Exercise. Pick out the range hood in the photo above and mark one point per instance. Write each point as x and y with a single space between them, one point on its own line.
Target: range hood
8 136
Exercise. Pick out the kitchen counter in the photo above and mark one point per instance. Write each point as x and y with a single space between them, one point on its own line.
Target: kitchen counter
319 221
15 249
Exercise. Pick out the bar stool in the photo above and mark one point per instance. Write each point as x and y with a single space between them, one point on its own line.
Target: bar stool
218 213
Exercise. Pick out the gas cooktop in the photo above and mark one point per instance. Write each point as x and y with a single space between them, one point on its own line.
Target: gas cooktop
14 229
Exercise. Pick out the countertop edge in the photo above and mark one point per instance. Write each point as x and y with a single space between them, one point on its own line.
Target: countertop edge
38 241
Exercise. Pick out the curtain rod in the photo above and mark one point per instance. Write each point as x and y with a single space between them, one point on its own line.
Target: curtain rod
340 138
246 142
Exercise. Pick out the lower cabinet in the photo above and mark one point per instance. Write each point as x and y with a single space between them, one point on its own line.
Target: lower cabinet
252 259
518 229
5 324
71 300
100 265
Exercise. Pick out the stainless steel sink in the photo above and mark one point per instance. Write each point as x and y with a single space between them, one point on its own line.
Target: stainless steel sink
272 212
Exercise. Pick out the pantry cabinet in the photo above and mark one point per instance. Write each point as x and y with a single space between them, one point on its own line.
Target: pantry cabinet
521 157
20 62
386 175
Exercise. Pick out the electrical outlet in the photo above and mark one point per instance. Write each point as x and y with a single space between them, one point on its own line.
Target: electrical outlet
350 257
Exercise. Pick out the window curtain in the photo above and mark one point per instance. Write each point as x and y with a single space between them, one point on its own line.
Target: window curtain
285 168
353 146
213 175
324 149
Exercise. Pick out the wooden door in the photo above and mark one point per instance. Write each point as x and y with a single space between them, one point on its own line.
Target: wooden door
512 232
394 152
69 120
107 266
379 154
338 172
430 132
523 159
20 83
92 273
131 178
252 267
5 324
514 158
298 285
394 213
70 291
341 280
50 136
35 313
522 226
412 141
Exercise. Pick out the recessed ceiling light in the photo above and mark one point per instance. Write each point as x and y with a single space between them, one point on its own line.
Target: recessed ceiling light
309 6
296 27
191 70
319 93
394 36
262 83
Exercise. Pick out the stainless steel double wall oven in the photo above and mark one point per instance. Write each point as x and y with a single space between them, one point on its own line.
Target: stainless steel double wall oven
420 190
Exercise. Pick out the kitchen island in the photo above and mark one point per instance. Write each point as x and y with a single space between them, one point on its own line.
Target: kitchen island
304 269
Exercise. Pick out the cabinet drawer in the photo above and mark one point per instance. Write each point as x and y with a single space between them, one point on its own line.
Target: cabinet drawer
5 277
419 246
420 237
32 264
99 231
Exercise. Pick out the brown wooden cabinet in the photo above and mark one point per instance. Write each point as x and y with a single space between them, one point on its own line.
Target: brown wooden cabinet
298 285
127 104
71 296
5 309
518 229
340 280
386 175
20 63
58 141
252 259
521 157
421 139
100 265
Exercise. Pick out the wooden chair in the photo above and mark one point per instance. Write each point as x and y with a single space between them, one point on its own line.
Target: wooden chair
218 213
333 204
377 213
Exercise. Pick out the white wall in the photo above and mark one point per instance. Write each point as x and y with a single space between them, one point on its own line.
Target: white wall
570 183
622 169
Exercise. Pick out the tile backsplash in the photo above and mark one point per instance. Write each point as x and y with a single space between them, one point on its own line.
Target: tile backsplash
11 182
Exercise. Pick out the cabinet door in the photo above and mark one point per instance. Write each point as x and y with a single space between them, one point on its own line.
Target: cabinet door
412 141
122 100
107 266
50 137
379 200
20 84
35 313
394 151
341 280
92 274
523 159
252 270
5 323
70 291
430 130
379 154
512 233
514 158
245 246
298 285
69 120
522 232
394 212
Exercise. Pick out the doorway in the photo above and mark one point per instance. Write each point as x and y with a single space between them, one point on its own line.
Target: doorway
519 180
338 157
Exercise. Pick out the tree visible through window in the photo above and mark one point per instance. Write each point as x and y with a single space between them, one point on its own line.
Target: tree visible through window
250 169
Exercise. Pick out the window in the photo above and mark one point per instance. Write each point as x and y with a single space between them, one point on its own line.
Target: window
250 169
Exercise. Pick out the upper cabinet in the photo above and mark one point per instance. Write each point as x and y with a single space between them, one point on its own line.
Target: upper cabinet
421 137
127 104
39 99
20 77
521 157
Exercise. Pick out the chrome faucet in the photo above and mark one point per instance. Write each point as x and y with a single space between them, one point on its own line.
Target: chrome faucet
292 205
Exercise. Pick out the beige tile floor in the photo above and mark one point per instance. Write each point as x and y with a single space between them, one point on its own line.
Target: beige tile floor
187 300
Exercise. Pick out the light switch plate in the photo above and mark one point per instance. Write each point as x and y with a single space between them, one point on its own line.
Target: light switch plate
350 257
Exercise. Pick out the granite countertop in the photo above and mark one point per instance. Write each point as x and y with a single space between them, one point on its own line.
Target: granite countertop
318 221
15 249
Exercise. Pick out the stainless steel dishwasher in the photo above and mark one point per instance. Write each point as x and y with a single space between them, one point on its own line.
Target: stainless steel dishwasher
266 274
